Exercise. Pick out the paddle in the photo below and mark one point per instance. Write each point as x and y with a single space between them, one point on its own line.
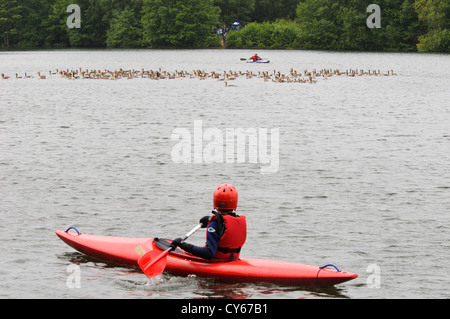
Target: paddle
154 262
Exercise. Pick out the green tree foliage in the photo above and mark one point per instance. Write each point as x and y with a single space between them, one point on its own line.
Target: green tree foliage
399 25
178 23
406 25
10 16
93 24
31 28
435 15
235 10
125 30
56 28
341 25
93 30
280 34
318 26
270 10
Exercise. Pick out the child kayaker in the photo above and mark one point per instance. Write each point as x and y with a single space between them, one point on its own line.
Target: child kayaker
226 232
255 57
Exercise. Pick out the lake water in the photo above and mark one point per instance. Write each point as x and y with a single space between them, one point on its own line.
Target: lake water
359 168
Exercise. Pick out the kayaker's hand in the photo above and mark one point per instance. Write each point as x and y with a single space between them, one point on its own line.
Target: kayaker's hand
176 242
204 221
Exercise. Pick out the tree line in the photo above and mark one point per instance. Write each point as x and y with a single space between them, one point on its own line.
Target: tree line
405 25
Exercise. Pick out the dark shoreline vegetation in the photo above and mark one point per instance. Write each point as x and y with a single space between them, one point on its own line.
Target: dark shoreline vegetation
338 25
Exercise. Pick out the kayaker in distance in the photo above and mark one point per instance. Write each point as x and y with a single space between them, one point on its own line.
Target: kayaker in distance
255 57
226 232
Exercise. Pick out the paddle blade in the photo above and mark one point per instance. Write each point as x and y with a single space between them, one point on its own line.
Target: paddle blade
153 262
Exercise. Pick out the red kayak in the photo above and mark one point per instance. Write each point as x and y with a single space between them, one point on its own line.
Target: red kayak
127 251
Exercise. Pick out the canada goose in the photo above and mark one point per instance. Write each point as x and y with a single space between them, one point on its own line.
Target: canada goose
229 85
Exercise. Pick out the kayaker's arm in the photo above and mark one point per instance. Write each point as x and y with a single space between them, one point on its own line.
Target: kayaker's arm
209 250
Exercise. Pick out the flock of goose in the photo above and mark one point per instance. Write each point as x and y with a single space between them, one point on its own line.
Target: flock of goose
293 76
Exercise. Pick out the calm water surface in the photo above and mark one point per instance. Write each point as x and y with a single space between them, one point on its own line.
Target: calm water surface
363 179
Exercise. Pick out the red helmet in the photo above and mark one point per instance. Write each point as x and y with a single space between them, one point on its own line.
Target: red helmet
225 197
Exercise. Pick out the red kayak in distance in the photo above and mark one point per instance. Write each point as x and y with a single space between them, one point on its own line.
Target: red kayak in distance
127 251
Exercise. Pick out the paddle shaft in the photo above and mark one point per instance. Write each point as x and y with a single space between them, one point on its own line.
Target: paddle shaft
192 231
183 239
164 253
